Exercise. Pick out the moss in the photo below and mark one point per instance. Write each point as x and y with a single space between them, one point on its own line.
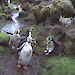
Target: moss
4 38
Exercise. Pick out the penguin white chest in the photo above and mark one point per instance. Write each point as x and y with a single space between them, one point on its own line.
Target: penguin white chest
25 54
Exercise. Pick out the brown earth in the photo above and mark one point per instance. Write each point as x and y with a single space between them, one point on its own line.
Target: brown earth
9 63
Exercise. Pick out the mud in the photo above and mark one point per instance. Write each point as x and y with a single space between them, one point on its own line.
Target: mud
9 63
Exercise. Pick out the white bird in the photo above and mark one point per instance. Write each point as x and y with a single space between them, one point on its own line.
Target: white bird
15 40
25 55
65 21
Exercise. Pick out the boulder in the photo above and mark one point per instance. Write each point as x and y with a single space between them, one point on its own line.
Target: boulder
65 7
73 2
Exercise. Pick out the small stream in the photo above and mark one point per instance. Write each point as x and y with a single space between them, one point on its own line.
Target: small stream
15 24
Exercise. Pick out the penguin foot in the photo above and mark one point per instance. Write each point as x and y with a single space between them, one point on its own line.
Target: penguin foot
19 66
46 53
24 67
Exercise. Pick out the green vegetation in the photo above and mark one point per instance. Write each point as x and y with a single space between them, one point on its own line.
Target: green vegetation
10 6
4 49
61 66
4 38
4 43
1 67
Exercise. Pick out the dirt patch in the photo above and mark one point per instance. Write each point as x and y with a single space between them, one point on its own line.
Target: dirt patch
9 63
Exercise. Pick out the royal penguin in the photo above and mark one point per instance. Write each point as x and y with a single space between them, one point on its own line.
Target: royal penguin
25 55
15 40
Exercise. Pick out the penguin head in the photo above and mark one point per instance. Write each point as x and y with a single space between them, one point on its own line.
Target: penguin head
17 31
31 29
19 6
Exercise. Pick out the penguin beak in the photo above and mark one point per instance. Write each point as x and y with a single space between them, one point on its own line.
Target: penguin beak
17 31
31 29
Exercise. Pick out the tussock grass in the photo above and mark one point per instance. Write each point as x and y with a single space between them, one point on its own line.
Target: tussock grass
61 66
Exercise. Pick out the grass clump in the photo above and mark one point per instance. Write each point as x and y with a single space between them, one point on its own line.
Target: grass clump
61 65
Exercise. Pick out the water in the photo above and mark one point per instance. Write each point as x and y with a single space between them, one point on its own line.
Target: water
15 24
9 1
50 1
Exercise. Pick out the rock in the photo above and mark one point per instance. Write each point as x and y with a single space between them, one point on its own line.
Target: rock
71 34
51 12
36 3
23 1
26 6
4 38
65 7
31 1
23 14
73 2
70 42
36 12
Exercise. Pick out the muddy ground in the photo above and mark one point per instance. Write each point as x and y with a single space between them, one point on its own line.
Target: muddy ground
9 63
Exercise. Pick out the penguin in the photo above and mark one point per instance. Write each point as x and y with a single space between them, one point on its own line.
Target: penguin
50 45
15 40
25 55
27 37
